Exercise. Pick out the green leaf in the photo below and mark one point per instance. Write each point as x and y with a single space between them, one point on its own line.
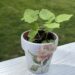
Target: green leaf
45 14
32 34
52 25
30 15
34 26
63 17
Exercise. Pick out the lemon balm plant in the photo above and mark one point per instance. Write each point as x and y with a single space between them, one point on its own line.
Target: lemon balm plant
40 42
48 19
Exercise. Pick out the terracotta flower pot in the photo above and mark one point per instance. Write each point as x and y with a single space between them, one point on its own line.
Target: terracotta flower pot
38 55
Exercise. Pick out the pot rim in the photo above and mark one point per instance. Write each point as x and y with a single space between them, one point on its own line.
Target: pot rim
38 43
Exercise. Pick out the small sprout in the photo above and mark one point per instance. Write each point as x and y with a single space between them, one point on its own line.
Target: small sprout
50 21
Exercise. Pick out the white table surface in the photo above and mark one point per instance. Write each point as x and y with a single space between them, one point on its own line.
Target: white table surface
63 63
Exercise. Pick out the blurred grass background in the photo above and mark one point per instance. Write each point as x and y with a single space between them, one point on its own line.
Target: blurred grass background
11 27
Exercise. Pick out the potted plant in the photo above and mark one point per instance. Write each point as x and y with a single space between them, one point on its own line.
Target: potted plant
40 42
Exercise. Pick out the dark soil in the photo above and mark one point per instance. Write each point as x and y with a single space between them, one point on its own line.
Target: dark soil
41 36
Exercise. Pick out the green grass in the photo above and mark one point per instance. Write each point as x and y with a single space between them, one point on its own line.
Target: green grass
11 26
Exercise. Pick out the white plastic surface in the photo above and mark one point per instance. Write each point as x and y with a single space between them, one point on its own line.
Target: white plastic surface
63 63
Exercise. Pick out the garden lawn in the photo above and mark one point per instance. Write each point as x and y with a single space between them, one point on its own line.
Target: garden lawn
11 26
